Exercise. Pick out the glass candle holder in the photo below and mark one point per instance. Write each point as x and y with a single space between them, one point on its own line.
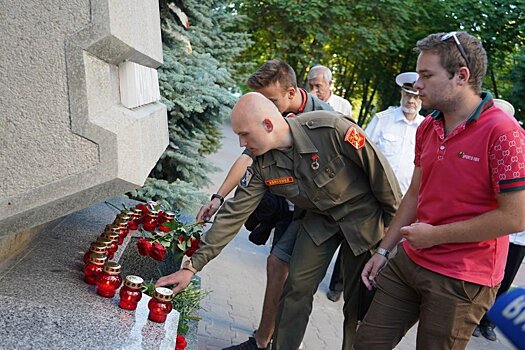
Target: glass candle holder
139 214
113 246
160 305
168 216
103 240
150 222
131 292
110 280
94 268
123 217
95 247
122 221
124 230
112 228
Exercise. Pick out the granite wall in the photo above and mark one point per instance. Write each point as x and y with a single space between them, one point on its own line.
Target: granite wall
67 140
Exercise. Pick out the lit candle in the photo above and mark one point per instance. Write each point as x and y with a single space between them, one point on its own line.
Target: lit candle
160 305
150 223
113 246
110 280
124 230
168 216
96 247
131 292
94 268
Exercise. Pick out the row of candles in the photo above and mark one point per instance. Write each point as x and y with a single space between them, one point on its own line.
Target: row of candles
105 274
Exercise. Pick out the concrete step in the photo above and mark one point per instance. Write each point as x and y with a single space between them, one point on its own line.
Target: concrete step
45 304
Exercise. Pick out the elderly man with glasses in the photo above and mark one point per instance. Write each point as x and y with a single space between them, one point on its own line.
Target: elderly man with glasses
466 195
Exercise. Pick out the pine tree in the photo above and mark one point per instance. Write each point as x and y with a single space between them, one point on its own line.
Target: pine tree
197 81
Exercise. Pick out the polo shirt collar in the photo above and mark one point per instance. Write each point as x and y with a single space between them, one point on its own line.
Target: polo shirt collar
486 103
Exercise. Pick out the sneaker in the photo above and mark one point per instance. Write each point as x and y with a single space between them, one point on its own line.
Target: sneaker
477 332
333 295
250 344
301 346
488 332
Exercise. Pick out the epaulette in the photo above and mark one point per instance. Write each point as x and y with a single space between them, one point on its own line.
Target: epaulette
386 112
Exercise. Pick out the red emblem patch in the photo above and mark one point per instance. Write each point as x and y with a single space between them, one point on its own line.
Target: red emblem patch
355 137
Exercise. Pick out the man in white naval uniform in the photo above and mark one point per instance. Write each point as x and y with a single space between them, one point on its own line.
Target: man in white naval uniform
394 130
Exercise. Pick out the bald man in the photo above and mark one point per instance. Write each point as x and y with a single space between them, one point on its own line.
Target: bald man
322 163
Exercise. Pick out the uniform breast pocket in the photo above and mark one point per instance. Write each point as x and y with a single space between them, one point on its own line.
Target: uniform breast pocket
390 143
289 190
333 179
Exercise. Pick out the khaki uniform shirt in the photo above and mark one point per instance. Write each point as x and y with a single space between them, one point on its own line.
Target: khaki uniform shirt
352 190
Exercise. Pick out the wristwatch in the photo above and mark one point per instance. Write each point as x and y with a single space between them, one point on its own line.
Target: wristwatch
216 195
188 265
382 251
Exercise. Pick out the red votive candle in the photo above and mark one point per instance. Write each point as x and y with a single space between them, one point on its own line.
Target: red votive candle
96 247
113 246
168 216
110 280
94 268
131 292
160 305
150 222
124 230
123 218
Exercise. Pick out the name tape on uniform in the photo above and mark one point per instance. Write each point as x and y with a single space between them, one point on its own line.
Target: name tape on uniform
279 181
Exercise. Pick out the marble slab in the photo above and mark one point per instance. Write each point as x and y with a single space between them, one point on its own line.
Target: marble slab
45 304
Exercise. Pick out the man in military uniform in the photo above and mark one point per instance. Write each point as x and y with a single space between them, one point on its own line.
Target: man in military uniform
324 165
275 80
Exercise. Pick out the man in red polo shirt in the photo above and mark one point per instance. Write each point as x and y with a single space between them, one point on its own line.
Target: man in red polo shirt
467 194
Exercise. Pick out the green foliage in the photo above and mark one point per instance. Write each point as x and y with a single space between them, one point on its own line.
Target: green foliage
196 83
366 44
186 302
196 80
517 92
173 195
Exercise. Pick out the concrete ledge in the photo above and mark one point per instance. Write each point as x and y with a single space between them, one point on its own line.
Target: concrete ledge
45 303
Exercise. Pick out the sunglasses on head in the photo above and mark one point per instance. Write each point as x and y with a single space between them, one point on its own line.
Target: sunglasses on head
458 44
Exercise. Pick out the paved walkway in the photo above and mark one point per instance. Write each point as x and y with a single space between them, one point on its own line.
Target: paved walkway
237 280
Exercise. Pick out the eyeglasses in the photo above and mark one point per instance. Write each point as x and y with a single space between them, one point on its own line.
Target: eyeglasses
458 44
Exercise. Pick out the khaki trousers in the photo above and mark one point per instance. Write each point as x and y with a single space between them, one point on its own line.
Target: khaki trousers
448 309
307 269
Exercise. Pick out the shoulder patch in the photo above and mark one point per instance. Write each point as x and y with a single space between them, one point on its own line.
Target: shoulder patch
247 177
386 112
355 137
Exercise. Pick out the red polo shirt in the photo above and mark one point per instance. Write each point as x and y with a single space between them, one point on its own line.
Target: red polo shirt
460 177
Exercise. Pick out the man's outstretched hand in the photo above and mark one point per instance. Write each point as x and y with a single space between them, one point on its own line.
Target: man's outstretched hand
208 209
179 280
